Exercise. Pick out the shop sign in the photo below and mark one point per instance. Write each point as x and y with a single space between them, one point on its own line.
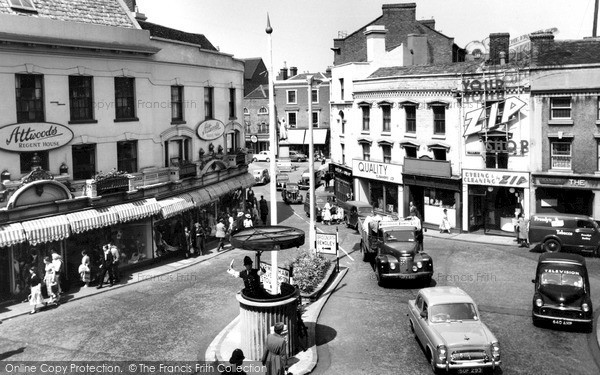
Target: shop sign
493 178
326 243
567 182
377 171
341 171
210 130
283 275
34 136
253 139
487 118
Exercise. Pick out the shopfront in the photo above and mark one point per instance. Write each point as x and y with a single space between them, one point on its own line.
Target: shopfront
492 198
566 195
379 184
342 182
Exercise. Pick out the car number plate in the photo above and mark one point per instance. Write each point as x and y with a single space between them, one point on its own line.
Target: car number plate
562 322
477 370
402 261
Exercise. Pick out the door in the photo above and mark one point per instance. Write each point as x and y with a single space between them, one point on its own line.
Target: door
587 237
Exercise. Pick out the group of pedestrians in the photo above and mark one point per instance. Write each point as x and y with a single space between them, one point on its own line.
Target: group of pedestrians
332 213
47 290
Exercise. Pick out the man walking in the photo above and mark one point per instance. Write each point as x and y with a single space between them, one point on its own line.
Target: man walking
199 238
106 265
264 209
275 353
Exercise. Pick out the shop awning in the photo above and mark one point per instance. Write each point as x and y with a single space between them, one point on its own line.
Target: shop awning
217 190
201 197
319 136
11 234
49 229
245 181
296 136
136 210
92 219
175 205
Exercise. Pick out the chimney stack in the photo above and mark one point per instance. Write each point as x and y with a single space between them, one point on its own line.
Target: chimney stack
293 71
400 13
131 5
540 43
283 73
375 42
498 43
429 23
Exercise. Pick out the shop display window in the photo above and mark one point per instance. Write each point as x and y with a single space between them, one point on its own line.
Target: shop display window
439 198
133 240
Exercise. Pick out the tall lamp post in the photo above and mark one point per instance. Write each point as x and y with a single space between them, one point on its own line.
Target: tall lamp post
311 168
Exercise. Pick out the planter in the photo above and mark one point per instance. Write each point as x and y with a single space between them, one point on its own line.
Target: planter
314 295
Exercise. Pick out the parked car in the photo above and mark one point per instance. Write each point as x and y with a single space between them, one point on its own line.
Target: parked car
562 291
261 176
573 233
261 156
321 198
291 193
353 210
282 179
446 321
298 156
304 182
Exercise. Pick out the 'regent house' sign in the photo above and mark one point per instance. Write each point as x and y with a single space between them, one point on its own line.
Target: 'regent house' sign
34 136
210 129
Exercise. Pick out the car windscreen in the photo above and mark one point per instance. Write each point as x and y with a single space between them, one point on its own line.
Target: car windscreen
561 277
365 210
399 236
449 312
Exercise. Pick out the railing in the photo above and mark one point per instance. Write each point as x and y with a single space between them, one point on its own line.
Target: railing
187 170
112 185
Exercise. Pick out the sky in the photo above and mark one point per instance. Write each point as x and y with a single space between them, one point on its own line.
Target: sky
303 30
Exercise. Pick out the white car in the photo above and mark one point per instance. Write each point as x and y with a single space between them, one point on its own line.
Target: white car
261 156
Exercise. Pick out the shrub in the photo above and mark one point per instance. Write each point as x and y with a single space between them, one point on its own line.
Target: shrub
309 269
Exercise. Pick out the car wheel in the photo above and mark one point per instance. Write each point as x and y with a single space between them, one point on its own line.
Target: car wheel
552 246
380 280
268 160
412 327
253 159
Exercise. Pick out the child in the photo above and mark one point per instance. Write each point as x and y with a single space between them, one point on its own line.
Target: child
35 284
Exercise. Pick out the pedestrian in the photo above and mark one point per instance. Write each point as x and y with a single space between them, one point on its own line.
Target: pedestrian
250 196
264 209
523 224
50 279
255 215
57 263
413 211
35 285
199 234
220 234
236 361
251 277
114 250
326 213
445 225
418 234
516 223
248 221
275 353
106 266
84 269
187 246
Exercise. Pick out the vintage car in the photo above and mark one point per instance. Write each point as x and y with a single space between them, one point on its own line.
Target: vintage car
282 179
353 210
562 291
445 320
304 182
321 199
261 176
565 232
261 156
291 193
297 156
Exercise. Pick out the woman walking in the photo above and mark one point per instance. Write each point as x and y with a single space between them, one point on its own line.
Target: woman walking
50 279
84 269
35 298
445 225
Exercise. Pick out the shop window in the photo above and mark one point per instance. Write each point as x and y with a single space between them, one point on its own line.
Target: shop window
315 96
263 111
366 149
209 105
30 97
387 153
27 160
376 197
411 118
84 161
124 98
232 104
410 151
560 157
341 89
176 104
127 156
387 117
366 117
560 108
81 98
439 119
292 119
177 151
439 198
439 153
291 96
391 198
315 119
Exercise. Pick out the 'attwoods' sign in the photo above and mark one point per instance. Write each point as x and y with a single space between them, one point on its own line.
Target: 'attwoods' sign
34 136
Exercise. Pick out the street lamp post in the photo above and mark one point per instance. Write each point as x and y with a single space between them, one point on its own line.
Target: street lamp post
311 167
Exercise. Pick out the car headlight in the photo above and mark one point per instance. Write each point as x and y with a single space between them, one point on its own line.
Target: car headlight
539 302
392 265
419 264
442 353
585 307
414 268
496 351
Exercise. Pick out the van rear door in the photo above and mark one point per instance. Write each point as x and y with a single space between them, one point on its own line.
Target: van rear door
587 235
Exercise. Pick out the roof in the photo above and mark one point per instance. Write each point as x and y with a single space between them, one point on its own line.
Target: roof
302 77
570 52
261 92
561 258
563 216
445 294
177 35
99 12
250 66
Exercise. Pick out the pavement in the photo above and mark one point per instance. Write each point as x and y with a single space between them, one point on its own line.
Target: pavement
229 338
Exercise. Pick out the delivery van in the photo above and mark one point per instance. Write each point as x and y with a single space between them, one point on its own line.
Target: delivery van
565 232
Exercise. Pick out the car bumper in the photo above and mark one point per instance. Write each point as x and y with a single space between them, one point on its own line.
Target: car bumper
468 366
407 276
553 318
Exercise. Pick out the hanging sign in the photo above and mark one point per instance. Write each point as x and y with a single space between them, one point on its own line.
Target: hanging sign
34 136
210 130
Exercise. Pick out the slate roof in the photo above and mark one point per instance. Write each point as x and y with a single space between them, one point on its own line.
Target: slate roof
465 67
250 66
570 52
178 35
99 12
302 77
261 92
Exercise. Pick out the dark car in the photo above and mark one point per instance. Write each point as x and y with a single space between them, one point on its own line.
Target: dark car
297 156
282 180
291 193
353 210
562 291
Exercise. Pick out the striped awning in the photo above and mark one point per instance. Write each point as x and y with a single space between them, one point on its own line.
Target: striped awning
136 210
54 228
201 197
246 181
11 234
217 190
175 205
92 219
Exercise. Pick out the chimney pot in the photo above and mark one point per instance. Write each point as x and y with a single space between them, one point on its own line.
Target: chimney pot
499 42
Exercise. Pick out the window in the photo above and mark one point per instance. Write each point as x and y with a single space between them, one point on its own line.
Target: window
411 118
439 119
387 117
232 104
387 153
247 112
343 153
81 98
410 151
124 98
366 117
291 96
439 154
176 104
84 161
30 97
560 157
208 102
598 157
496 158
315 95
23 5
560 108
263 111
127 156
292 119
27 160
598 107
177 151
366 147
315 119
341 88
